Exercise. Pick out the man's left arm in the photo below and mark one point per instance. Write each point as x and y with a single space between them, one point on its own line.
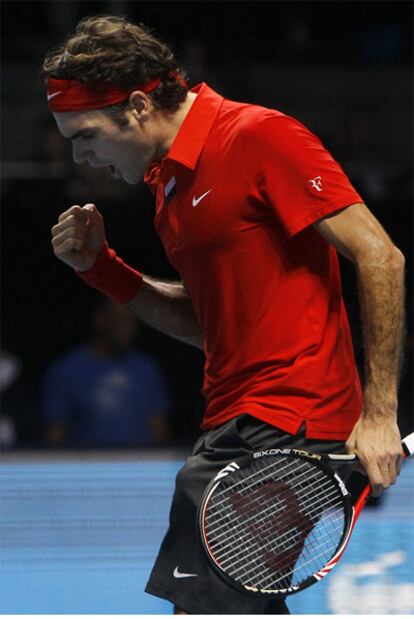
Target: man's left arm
357 235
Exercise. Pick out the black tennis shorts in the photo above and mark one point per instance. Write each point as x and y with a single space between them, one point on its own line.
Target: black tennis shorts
181 573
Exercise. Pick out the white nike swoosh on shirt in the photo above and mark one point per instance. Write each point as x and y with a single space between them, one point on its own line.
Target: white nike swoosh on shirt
54 94
197 200
178 574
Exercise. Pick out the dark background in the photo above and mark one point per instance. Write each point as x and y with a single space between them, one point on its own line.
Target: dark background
342 68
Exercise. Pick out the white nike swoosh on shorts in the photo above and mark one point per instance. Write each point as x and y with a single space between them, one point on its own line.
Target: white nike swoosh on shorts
178 574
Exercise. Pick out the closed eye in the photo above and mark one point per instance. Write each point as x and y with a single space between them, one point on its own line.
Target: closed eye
86 134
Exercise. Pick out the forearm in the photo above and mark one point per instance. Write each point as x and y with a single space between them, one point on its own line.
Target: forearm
375 437
381 295
167 307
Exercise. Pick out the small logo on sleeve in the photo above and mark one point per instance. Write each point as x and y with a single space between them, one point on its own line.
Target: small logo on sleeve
316 183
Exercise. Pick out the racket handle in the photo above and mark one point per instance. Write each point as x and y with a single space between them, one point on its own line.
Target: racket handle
408 445
408 448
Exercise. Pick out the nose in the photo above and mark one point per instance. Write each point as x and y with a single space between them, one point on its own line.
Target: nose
80 155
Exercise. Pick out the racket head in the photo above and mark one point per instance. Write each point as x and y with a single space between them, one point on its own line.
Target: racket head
292 491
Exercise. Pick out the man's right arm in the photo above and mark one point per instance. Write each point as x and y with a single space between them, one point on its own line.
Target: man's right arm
79 240
167 307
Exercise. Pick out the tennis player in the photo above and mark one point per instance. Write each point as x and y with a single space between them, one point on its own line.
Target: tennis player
251 209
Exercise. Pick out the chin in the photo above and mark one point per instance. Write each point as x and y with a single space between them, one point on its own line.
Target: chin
132 179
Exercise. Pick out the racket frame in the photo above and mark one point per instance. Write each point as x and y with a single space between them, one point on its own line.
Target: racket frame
319 460
352 512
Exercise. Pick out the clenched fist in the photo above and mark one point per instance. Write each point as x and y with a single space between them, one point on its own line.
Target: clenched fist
79 236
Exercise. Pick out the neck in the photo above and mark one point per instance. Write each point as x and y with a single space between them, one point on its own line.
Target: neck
171 124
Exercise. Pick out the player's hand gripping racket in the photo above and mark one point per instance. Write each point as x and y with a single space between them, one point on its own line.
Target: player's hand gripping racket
278 520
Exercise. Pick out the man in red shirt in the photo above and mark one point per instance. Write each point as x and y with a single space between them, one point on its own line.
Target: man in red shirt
251 209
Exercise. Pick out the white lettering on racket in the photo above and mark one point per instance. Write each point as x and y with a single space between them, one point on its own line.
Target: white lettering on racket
308 454
275 452
287 590
341 485
270 452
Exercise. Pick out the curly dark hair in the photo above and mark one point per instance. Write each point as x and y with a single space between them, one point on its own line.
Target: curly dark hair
111 49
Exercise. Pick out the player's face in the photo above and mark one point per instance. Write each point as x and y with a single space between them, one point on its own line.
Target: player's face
98 140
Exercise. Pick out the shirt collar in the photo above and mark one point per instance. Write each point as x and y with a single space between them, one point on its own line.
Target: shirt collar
192 135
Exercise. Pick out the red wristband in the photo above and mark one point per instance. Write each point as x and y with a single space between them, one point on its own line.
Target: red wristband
111 276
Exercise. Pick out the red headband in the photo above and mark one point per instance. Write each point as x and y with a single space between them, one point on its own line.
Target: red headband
74 96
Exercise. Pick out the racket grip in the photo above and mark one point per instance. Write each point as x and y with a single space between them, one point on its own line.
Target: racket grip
408 445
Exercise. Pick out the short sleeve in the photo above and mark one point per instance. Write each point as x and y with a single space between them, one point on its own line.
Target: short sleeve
290 170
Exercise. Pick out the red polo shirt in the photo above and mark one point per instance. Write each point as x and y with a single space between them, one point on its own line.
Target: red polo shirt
235 199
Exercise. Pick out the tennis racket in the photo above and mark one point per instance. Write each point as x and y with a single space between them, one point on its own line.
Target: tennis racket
278 520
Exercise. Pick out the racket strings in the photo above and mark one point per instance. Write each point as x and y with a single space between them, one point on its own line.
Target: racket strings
264 533
257 578
282 543
227 492
301 480
284 580
262 516
277 546
279 556
278 575
305 503
259 468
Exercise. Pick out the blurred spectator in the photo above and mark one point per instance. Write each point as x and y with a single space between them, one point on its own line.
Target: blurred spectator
105 392
18 415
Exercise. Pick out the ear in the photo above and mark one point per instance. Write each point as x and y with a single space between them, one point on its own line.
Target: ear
140 105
